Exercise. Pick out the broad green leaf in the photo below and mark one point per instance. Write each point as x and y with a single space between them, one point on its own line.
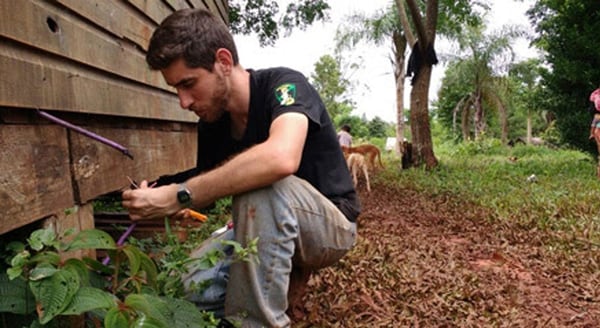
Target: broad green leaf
96 265
134 256
14 272
148 266
99 281
54 294
88 299
149 322
151 306
116 319
15 246
36 324
187 315
47 257
78 267
15 296
42 271
20 259
91 239
17 262
41 237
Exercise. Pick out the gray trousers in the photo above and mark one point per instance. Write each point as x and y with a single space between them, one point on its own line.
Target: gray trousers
297 229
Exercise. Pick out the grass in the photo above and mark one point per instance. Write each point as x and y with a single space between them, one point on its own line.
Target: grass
540 187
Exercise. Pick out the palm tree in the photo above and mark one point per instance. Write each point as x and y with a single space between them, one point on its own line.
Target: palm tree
482 60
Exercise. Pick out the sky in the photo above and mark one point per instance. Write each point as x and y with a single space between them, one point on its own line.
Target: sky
375 87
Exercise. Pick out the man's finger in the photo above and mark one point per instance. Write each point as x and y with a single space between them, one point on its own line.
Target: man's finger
126 195
181 215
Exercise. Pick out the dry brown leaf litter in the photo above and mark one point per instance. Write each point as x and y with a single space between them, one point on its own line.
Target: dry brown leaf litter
438 262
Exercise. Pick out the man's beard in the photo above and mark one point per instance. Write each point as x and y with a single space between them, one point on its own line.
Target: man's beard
218 102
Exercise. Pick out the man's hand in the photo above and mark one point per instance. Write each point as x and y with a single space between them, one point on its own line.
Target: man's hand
152 203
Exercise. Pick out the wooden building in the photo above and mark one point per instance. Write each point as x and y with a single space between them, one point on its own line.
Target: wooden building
83 61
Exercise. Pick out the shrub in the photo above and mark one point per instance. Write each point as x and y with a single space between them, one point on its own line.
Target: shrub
132 290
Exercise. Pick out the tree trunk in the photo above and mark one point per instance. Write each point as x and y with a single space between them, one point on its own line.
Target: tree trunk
399 72
503 121
419 96
479 119
408 35
529 133
419 115
464 123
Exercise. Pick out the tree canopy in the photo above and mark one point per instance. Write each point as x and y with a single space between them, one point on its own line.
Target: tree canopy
568 34
263 17
332 86
476 83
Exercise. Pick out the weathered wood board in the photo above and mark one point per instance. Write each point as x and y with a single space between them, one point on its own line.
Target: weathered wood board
35 178
32 81
155 10
98 168
114 17
60 33
84 62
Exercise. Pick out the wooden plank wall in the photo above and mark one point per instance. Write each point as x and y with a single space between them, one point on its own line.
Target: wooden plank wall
83 61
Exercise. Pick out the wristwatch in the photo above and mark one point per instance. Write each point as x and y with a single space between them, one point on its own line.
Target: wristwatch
184 196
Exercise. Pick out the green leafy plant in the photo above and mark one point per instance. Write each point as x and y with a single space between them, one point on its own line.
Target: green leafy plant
130 291
55 287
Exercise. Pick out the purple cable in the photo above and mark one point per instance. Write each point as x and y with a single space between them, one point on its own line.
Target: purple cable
121 240
129 230
85 132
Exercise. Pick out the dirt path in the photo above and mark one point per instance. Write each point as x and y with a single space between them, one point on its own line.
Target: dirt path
423 262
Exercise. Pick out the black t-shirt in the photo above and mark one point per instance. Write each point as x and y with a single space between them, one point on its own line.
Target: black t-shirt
273 92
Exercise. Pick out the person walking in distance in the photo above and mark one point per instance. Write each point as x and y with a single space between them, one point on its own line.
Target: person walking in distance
344 136
595 126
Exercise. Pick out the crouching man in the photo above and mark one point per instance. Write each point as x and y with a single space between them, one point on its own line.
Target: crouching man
265 138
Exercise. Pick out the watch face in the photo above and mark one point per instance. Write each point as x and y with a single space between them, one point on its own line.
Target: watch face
183 196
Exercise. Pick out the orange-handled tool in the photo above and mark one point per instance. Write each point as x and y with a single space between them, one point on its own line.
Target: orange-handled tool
197 215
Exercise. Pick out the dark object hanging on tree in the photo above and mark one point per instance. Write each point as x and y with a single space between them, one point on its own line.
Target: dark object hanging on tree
416 58
407 155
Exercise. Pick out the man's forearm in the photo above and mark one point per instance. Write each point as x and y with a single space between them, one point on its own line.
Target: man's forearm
259 166
251 169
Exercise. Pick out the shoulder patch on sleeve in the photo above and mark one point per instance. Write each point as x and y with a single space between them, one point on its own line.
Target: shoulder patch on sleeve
286 94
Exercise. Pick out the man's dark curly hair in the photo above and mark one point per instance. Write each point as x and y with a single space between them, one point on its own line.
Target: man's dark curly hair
192 34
